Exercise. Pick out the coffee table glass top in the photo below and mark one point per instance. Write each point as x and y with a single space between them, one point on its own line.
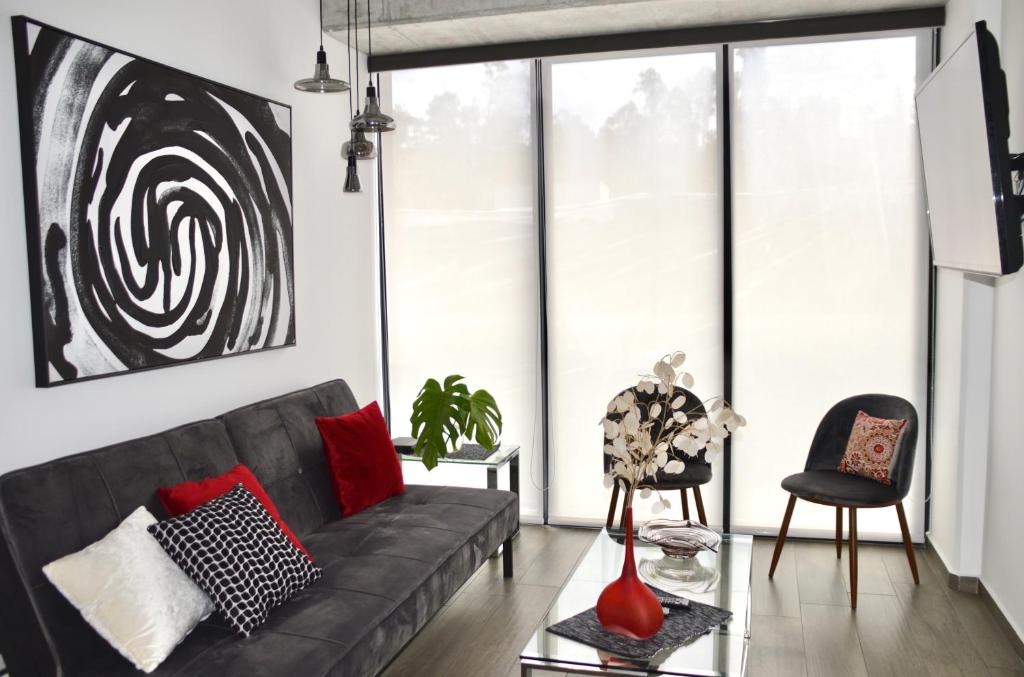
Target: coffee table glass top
721 578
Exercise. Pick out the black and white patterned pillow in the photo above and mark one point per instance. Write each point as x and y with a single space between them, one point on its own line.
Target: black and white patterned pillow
234 550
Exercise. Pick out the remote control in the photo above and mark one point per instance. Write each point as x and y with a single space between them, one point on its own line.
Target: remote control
673 602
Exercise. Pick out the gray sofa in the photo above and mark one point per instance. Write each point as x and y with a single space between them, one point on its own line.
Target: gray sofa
387 570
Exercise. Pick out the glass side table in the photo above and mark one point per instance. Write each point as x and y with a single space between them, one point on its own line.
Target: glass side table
507 454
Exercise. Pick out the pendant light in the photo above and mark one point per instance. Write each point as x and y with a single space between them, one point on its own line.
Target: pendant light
321 82
357 145
352 184
371 119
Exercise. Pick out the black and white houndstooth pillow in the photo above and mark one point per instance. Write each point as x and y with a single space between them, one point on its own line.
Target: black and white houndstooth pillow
234 550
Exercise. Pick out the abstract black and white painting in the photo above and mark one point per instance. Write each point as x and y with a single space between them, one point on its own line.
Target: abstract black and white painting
159 211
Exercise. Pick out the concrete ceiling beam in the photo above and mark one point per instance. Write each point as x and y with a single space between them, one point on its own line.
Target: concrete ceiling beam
414 25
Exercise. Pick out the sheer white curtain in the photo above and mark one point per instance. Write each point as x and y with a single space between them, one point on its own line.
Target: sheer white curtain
831 260
461 248
634 261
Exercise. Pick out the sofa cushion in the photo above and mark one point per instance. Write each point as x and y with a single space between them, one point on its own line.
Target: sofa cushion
362 460
187 496
278 441
235 551
131 592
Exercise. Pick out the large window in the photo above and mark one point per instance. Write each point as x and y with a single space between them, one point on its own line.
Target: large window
826 294
634 250
831 259
461 238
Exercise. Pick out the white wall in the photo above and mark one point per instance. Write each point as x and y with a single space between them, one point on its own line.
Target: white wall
963 369
260 46
977 463
945 495
1004 549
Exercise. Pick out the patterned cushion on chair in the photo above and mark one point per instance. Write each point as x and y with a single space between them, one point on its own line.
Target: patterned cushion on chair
871 448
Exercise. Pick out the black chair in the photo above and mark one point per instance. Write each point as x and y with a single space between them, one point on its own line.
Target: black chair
697 472
822 483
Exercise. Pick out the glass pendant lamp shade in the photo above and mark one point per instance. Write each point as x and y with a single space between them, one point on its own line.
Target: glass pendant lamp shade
321 82
359 146
372 120
352 184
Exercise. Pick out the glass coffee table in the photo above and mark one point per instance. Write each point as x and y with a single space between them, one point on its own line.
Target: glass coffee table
721 578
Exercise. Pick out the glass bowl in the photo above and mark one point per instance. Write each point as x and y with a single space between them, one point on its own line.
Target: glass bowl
680 539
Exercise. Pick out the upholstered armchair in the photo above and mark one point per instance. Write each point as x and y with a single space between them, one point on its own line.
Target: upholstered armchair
821 482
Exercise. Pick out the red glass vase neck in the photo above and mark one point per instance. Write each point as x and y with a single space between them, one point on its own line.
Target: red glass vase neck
629 563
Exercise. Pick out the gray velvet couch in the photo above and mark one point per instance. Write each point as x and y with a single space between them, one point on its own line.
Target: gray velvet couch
387 570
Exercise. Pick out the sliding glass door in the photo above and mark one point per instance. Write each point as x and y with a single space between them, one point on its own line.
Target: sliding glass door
634 261
830 260
461 251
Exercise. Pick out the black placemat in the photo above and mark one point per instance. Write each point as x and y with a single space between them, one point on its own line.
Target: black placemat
681 627
468 451
472 452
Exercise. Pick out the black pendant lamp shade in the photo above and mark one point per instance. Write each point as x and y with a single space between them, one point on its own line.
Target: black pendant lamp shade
321 82
359 147
352 184
372 119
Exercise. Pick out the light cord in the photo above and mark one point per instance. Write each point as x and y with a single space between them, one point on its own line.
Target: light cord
348 49
355 16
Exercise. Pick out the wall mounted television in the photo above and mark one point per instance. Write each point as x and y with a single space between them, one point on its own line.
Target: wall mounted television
963 121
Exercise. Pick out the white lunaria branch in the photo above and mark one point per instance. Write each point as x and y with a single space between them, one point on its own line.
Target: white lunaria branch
642 443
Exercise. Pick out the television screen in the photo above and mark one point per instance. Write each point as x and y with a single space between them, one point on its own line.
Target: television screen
963 120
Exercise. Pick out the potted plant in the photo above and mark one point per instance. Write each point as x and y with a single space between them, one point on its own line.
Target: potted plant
444 414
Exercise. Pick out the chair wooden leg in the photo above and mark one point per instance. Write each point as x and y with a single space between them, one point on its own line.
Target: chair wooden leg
612 505
686 504
853 558
839 532
699 500
781 540
907 543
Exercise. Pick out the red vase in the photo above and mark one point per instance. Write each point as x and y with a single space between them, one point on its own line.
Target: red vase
627 606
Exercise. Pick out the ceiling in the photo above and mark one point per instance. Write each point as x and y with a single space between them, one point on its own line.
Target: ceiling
401 26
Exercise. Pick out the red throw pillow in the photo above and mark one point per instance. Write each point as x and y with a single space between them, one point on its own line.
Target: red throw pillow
364 464
871 448
188 496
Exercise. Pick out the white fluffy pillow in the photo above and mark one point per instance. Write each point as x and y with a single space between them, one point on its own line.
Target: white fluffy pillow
131 592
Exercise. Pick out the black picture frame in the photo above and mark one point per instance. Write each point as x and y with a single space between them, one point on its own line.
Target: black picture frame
186 253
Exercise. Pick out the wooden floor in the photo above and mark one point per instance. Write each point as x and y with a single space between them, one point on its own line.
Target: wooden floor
802 623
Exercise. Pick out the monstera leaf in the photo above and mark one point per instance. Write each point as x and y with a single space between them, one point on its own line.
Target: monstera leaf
443 414
483 423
